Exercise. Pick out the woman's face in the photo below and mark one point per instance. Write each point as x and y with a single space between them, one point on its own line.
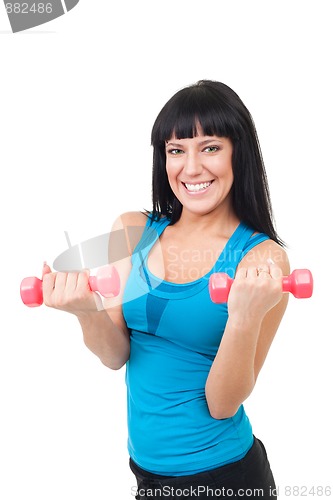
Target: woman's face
200 172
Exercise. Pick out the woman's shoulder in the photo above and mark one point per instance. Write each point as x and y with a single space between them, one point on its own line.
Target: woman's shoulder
130 225
128 219
131 219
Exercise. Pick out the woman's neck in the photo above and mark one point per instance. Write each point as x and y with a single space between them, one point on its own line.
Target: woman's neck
220 223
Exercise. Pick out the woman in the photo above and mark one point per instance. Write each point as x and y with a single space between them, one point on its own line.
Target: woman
192 363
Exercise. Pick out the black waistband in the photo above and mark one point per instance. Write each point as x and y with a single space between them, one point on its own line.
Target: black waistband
159 480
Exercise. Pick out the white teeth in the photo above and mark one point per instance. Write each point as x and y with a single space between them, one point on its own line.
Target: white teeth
197 187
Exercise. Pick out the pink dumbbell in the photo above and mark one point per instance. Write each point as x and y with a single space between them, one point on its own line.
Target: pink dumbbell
106 282
299 283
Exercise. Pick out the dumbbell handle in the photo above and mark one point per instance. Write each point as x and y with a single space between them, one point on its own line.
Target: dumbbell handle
299 283
106 282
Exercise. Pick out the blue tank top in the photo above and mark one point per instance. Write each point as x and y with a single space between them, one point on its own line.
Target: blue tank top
175 332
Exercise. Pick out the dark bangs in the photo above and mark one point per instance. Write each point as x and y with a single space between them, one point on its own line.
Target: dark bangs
192 107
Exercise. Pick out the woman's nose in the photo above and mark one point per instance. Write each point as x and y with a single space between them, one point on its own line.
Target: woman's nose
192 165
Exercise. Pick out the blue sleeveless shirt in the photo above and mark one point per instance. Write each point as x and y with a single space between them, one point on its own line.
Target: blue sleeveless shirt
175 332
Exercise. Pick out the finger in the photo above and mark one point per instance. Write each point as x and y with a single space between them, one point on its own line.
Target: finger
46 269
83 280
241 273
274 269
60 283
71 283
83 285
263 272
48 284
252 272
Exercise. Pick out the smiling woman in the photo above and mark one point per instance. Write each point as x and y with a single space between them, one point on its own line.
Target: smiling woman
187 379
190 363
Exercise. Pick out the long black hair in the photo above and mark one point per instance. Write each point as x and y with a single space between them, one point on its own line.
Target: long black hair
219 111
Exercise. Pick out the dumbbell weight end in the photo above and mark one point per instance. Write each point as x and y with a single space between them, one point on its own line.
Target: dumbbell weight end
31 291
219 287
299 283
106 282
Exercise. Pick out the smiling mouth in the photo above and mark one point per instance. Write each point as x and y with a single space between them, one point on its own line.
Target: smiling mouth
195 188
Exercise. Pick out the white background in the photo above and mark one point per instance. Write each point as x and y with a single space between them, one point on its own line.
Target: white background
78 97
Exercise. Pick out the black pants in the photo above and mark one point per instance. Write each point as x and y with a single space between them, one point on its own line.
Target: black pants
250 477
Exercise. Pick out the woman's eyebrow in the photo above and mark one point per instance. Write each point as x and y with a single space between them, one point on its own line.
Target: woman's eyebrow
174 144
201 143
212 139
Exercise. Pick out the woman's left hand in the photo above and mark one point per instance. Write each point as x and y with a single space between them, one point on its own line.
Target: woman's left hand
255 291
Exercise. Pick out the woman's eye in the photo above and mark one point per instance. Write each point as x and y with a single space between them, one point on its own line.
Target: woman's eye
211 149
175 151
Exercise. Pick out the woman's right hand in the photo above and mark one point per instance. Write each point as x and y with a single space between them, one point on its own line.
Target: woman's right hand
69 292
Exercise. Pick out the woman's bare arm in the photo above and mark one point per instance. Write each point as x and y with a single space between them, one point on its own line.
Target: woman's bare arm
256 306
